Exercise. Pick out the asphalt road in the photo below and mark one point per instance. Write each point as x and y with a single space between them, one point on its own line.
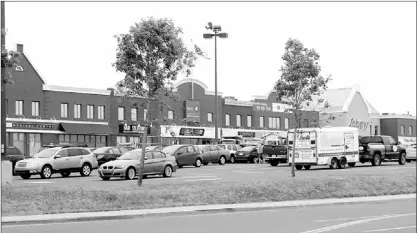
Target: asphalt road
217 173
397 216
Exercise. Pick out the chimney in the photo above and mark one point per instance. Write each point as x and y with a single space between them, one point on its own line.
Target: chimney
20 48
111 91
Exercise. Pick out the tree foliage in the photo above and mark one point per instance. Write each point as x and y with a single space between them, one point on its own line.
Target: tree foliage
9 59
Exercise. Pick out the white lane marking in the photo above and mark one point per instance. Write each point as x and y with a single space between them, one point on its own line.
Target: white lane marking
192 177
389 229
247 172
341 219
39 182
204 179
355 223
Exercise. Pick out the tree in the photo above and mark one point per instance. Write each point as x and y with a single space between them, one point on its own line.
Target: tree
152 55
300 80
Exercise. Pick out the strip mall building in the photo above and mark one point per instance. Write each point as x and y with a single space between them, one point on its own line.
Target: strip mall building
39 114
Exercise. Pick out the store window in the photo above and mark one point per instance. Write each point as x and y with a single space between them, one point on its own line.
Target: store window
121 139
100 112
402 130
64 110
19 141
286 123
238 120
145 112
227 121
209 117
261 122
77 110
410 130
90 111
278 120
121 113
376 130
134 114
249 121
170 115
19 107
35 108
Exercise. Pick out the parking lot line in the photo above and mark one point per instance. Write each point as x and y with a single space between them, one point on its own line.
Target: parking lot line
247 172
204 179
192 177
38 182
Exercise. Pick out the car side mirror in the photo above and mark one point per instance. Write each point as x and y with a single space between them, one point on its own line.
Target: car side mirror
146 158
57 156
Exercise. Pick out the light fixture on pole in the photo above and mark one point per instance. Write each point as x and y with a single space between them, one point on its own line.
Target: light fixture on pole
216 29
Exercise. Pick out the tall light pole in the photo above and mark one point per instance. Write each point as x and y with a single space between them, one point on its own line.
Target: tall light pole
3 85
216 29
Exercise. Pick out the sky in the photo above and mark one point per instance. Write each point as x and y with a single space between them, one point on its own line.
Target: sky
372 44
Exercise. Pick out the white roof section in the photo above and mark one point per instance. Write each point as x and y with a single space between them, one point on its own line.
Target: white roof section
263 97
397 116
76 90
198 82
238 103
327 129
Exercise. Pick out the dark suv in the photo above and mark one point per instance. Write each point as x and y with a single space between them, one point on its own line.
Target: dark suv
106 154
14 155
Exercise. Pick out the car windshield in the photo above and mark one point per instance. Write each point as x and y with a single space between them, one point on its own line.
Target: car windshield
47 153
367 140
170 149
131 155
101 150
247 148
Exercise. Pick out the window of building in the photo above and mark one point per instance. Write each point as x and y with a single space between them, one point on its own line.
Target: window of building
64 110
121 113
35 108
100 112
286 123
170 115
145 112
209 117
19 107
249 119
238 120
402 129
410 130
376 130
77 110
306 123
90 111
134 114
270 122
274 122
261 122
278 120
19 68
227 120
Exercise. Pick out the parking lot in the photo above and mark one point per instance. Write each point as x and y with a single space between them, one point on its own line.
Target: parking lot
217 173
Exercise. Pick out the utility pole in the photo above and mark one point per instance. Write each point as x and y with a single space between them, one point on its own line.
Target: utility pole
3 85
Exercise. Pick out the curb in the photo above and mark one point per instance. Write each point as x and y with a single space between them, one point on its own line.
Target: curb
229 207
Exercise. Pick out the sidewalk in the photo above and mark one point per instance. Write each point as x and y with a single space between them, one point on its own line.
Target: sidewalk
132 213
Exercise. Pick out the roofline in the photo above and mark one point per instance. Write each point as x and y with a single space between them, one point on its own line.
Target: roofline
76 90
399 116
196 81
34 68
350 97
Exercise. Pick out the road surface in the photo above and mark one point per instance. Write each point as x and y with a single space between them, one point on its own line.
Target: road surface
397 216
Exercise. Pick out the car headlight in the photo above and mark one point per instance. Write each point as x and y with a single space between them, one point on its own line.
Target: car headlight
120 167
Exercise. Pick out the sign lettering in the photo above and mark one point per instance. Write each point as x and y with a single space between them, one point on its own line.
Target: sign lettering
31 126
362 125
191 132
192 110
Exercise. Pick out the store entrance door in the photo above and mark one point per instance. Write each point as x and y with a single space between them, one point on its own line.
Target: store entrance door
34 141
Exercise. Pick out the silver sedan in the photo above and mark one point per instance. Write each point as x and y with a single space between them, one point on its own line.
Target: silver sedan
411 153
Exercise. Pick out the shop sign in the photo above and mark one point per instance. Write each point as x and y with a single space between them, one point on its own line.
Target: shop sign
246 134
276 107
191 132
125 128
192 110
361 125
36 126
261 107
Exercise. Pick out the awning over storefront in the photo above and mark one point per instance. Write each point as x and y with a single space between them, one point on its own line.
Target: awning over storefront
86 128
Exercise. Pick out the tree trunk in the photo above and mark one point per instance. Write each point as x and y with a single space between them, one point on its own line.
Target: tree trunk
293 153
145 134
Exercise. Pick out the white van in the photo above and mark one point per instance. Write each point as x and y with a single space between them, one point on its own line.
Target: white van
332 146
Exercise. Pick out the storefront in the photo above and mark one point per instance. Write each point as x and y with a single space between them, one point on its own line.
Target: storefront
133 134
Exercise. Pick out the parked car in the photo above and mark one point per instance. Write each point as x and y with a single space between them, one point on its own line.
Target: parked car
13 154
275 150
411 153
106 154
151 148
380 148
62 160
184 155
91 148
232 148
52 145
214 154
127 165
248 153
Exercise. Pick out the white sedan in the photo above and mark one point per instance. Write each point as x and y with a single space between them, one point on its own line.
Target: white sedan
411 153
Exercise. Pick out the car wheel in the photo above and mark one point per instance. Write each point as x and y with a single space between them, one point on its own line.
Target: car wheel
351 164
144 176
274 163
167 171
222 160
130 174
307 167
65 174
342 163
402 159
197 163
298 167
25 176
408 160
105 178
205 164
376 161
232 159
46 172
333 163
85 169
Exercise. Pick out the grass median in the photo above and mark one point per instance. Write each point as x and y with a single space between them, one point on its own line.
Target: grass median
52 200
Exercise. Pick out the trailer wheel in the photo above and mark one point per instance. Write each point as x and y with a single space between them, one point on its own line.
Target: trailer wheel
307 167
342 163
298 167
274 162
334 163
351 164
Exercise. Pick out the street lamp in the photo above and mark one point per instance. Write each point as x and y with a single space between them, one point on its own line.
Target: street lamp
216 29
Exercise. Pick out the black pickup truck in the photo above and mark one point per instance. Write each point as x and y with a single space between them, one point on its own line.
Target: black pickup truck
275 151
376 149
